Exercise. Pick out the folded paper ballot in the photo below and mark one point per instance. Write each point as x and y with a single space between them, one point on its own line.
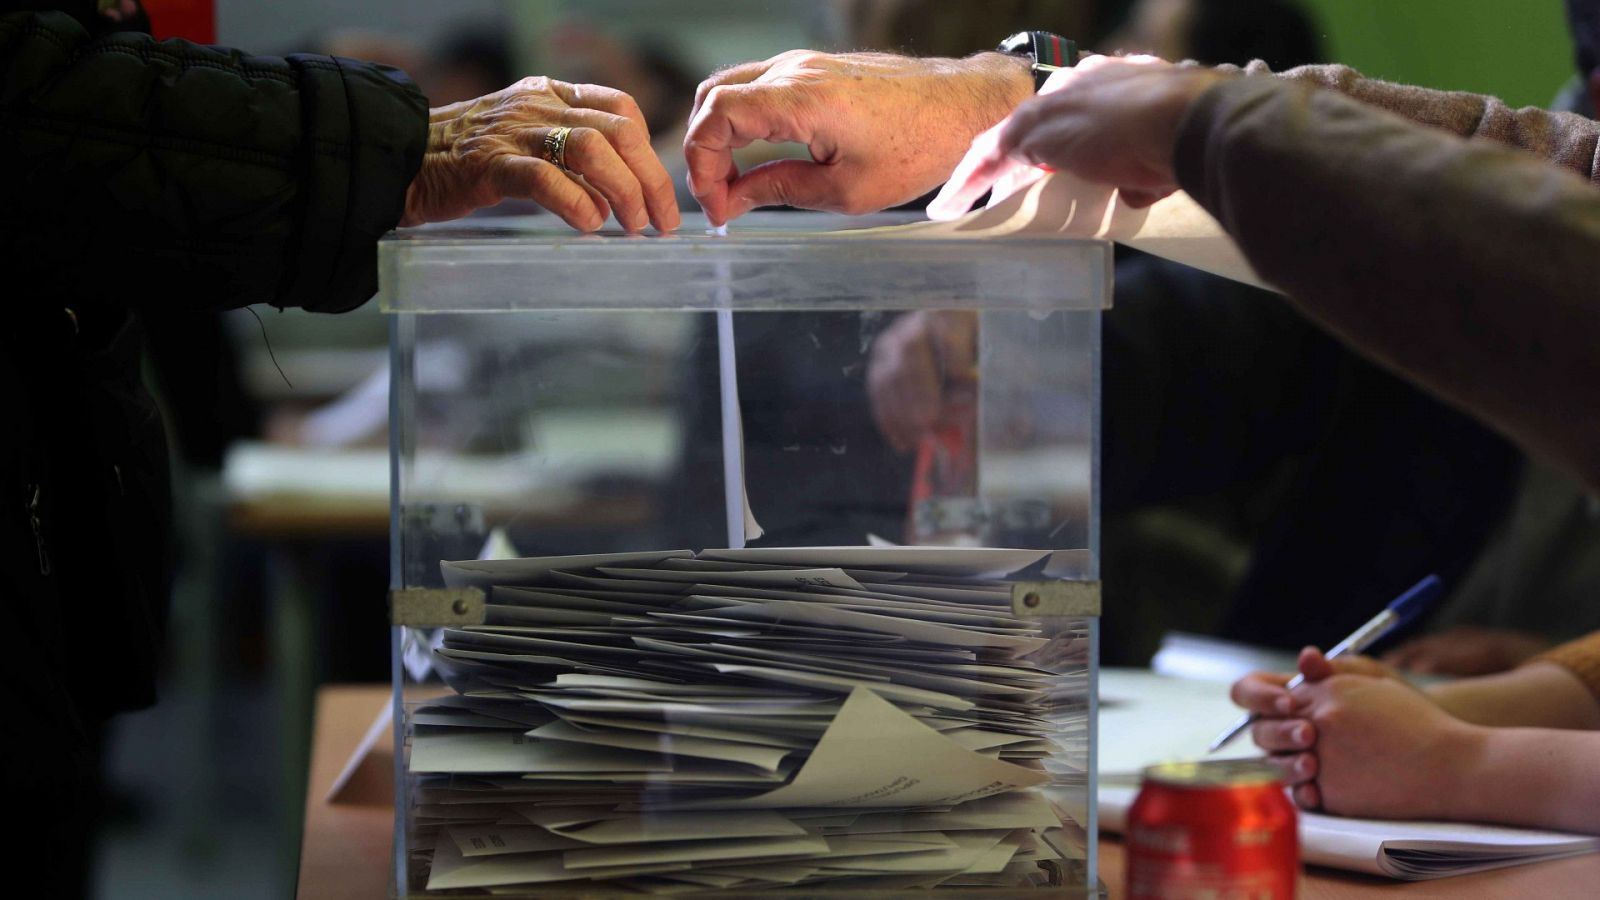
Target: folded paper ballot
1061 204
853 717
1148 718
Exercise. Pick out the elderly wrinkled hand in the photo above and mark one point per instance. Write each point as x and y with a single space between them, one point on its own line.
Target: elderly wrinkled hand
580 150
1109 119
881 129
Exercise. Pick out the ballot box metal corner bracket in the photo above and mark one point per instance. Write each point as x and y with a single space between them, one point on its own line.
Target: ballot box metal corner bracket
1049 599
437 607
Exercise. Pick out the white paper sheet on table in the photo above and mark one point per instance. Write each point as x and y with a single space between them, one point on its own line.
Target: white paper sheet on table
1176 228
1147 718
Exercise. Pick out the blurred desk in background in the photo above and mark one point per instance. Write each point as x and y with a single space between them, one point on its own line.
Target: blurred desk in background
306 493
345 852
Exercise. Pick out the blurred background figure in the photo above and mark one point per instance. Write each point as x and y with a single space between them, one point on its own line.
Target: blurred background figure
930 28
468 60
1214 32
648 64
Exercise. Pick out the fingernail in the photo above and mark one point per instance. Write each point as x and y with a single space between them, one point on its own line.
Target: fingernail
1301 735
1285 703
1302 767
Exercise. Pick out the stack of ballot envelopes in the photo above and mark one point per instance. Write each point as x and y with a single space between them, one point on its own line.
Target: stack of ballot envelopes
847 717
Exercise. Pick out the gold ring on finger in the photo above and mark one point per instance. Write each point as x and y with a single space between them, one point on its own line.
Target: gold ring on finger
555 146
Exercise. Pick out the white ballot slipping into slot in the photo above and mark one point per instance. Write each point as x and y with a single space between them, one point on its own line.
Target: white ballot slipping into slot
1175 228
749 719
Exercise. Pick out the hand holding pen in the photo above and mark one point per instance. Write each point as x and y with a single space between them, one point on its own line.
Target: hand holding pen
1397 614
1358 738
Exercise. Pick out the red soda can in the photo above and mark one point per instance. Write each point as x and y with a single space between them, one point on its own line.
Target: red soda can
1220 830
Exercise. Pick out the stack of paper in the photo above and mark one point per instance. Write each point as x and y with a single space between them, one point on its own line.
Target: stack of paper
849 717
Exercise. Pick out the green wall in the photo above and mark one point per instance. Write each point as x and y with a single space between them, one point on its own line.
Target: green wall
1517 50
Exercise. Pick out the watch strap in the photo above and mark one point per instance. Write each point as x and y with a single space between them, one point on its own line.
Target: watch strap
1048 52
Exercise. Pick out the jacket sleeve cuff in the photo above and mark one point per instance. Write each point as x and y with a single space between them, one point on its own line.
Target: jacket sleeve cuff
366 129
1199 151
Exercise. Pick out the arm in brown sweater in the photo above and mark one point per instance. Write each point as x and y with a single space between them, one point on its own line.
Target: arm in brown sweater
1580 657
1568 140
1472 269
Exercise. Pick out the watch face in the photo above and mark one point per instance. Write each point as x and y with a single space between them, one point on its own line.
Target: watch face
1019 44
1042 47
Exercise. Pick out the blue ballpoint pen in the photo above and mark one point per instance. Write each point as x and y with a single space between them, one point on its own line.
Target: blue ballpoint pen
1402 611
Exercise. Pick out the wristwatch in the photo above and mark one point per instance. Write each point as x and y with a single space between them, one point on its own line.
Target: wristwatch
1048 53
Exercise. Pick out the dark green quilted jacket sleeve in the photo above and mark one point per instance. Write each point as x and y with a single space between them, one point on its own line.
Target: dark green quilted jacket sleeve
165 174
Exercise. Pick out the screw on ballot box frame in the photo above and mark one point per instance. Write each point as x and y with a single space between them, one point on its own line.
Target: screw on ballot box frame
437 607
1047 599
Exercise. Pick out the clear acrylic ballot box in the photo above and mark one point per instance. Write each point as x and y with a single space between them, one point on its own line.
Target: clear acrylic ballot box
761 564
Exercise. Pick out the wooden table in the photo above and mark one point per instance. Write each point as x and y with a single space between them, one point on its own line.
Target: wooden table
347 846
346 849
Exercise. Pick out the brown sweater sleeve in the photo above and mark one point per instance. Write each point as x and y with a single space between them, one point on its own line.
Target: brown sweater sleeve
1566 139
1580 657
1472 269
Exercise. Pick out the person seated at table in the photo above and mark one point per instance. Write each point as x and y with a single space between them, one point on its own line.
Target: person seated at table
1516 748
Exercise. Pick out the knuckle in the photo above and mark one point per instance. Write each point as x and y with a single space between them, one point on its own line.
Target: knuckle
1330 716
718 96
547 177
628 106
723 97
585 140
628 136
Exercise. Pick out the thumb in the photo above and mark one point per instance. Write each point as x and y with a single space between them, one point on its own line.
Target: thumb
1356 664
786 182
1314 665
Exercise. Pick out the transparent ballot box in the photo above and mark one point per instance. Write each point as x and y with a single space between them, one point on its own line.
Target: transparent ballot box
738 565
